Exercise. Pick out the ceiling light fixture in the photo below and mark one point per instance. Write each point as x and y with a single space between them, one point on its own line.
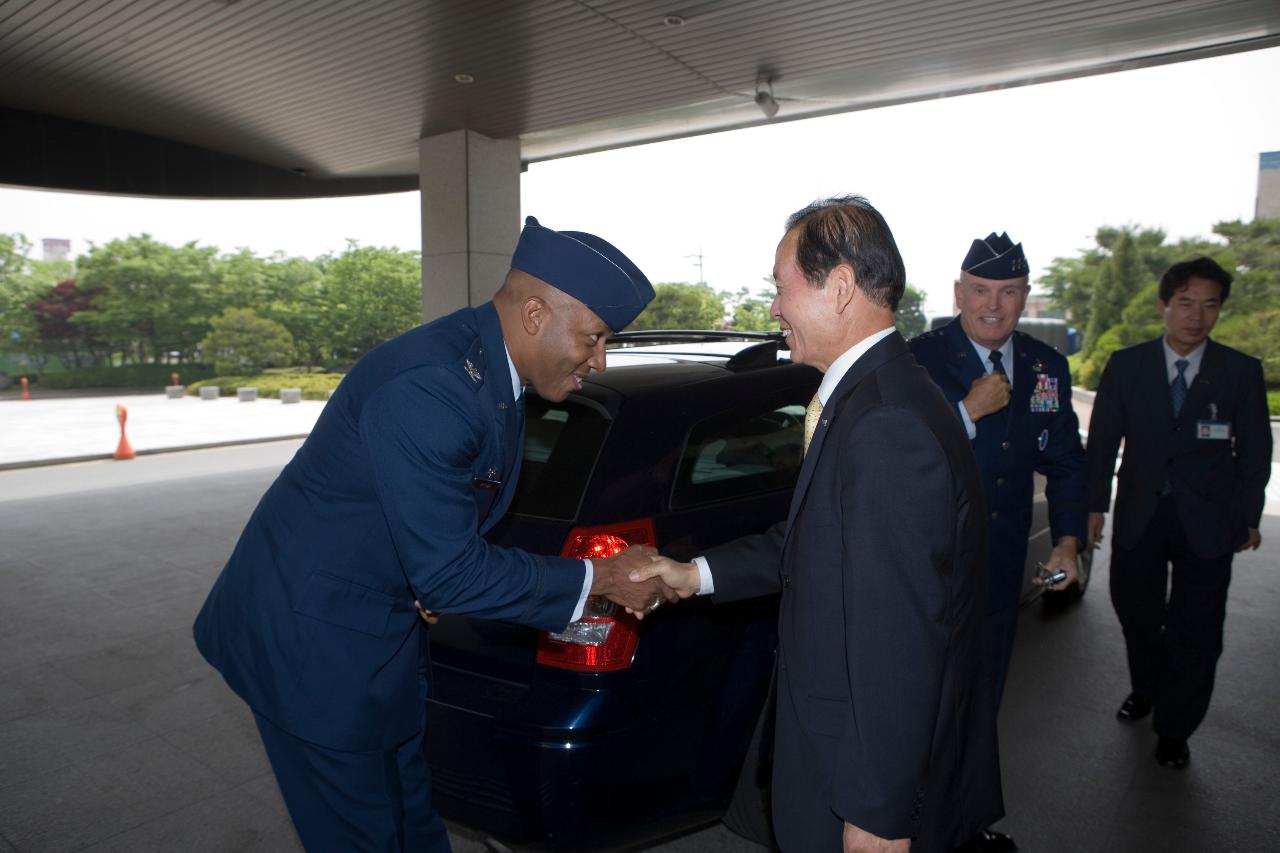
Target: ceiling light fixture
764 97
463 78
672 21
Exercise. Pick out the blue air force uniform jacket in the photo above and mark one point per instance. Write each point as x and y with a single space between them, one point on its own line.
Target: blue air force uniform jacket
416 455
1037 431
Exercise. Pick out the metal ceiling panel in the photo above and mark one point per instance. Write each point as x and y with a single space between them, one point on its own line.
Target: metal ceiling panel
330 96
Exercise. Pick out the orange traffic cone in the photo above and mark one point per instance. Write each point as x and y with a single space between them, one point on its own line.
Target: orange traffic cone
26 388
123 450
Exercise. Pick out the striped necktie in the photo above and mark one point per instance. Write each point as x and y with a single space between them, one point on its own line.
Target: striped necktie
1178 388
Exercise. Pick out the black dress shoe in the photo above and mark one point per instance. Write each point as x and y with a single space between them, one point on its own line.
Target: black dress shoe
1172 752
1135 707
988 841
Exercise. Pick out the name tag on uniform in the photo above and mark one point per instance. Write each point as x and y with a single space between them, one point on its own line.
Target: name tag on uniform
1045 396
1213 430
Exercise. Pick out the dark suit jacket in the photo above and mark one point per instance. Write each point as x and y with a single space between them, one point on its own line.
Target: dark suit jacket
885 711
1013 445
1218 485
312 620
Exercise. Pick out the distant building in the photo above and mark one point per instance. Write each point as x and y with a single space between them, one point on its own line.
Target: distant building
1268 206
56 249
1039 306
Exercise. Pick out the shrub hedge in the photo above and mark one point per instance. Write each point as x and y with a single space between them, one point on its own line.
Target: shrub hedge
315 386
125 376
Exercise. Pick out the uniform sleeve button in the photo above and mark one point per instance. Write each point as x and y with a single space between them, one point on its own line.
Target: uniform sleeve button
995 516
1004 445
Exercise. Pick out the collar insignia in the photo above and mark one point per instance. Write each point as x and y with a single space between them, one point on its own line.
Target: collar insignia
471 370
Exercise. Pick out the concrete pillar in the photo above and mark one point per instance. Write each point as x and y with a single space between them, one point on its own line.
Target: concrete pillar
470 188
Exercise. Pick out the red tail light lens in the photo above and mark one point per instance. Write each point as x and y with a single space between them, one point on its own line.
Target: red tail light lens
602 640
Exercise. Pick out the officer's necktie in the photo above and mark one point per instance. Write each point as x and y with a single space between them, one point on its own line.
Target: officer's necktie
812 412
1178 388
997 366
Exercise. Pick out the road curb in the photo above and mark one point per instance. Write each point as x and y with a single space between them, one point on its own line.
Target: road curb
94 457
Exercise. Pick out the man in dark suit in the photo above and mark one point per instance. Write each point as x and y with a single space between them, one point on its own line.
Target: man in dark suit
314 621
885 731
1197 456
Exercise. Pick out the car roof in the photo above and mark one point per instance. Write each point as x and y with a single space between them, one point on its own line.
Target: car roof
632 370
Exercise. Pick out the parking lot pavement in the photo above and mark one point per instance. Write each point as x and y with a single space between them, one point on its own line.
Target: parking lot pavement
116 736
43 430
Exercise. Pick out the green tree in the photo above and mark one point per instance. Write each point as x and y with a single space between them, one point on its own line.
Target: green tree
152 299
23 281
750 312
371 295
1253 255
910 318
679 305
1123 275
241 341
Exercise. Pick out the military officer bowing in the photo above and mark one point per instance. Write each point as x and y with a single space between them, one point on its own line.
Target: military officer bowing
313 620
1013 394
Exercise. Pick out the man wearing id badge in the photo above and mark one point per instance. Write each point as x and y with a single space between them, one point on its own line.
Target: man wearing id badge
1012 392
1197 456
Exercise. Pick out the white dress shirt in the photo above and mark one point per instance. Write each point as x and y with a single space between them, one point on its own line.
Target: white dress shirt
1194 357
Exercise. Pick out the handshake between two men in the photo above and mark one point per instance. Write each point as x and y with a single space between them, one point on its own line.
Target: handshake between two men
640 579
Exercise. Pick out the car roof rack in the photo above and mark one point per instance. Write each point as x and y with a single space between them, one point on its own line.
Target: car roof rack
664 336
761 354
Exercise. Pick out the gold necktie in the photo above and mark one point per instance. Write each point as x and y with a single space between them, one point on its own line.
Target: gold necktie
812 412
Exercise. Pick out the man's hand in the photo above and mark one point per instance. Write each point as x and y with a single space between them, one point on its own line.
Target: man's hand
681 579
860 841
1252 543
426 615
1097 521
1065 556
987 394
610 579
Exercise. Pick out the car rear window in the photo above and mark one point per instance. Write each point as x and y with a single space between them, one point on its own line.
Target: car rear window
561 443
743 452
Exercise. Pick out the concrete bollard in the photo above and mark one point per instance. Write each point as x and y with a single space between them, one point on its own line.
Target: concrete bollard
290 395
209 392
247 395
175 392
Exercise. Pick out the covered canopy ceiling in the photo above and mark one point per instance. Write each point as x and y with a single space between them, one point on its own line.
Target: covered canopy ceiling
277 98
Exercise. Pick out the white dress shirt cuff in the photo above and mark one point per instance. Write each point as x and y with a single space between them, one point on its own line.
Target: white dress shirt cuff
968 424
588 577
707 585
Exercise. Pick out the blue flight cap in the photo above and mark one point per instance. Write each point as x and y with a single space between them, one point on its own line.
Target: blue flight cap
587 268
996 257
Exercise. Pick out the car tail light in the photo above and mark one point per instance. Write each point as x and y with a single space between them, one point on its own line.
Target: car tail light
604 639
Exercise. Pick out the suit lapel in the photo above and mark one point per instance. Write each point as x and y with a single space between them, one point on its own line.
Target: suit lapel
890 347
962 359
505 413
1155 377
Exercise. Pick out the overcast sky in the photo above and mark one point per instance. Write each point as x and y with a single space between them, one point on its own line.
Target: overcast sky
1174 147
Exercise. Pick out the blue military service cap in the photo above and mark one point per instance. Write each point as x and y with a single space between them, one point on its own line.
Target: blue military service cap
591 270
995 257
